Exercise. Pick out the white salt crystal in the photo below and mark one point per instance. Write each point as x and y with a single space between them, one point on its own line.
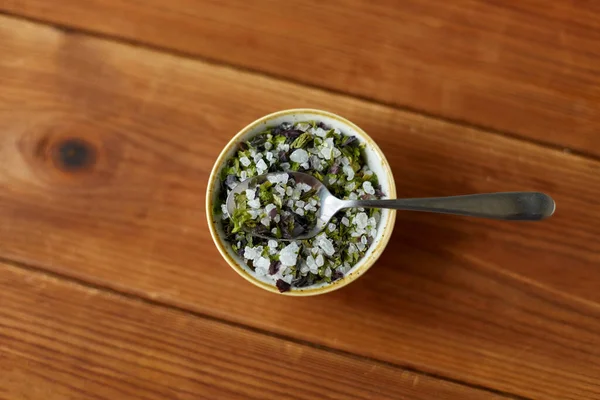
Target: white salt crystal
272 243
224 211
243 175
289 254
300 203
326 152
326 245
254 213
368 187
265 221
320 132
361 220
331 227
257 157
320 261
254 203
269 157
351 248
345 221
302 126
261 167
245 161
250 253
268 146
289 190
279 189
348 171
250 194
262 262
305 165
327 272
300 211
299 156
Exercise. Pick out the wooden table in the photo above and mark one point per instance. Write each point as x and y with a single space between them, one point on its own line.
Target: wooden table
112 113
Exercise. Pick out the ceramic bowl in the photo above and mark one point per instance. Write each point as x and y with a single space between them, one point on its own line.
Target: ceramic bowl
376 161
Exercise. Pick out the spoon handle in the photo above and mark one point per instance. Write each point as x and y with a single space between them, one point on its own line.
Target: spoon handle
515 206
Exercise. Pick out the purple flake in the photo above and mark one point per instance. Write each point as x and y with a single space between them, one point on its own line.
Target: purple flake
336 275
274 267
335 167
282 285
349 140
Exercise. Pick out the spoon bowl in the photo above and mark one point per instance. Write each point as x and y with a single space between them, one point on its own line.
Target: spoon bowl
513 206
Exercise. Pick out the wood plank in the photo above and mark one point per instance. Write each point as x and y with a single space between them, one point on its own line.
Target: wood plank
524 67
64 341
509 306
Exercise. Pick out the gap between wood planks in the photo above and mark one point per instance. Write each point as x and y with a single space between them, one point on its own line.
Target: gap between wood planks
69 30
154 303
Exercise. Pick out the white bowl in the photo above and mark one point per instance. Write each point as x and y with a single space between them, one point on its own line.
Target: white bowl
376 162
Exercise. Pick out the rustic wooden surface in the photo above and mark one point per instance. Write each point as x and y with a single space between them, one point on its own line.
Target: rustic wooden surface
112 288
522 67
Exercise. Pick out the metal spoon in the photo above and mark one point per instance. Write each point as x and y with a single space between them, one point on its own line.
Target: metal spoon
512 206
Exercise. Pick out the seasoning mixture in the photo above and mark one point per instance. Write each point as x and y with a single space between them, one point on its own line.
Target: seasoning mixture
278 207
283 206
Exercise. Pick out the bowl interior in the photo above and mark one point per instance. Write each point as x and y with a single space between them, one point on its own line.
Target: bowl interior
375 160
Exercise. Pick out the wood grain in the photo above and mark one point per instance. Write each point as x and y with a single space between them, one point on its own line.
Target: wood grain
525 67
513 307
63 341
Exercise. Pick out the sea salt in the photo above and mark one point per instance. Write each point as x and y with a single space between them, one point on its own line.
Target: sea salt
250 194
326 153
289 254
348 171
368 187
245 161
254 203
326 245
299 156
262 262
261 167
361 220
320 261
251 253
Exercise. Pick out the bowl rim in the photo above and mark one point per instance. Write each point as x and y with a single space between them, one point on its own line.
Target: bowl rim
346 280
